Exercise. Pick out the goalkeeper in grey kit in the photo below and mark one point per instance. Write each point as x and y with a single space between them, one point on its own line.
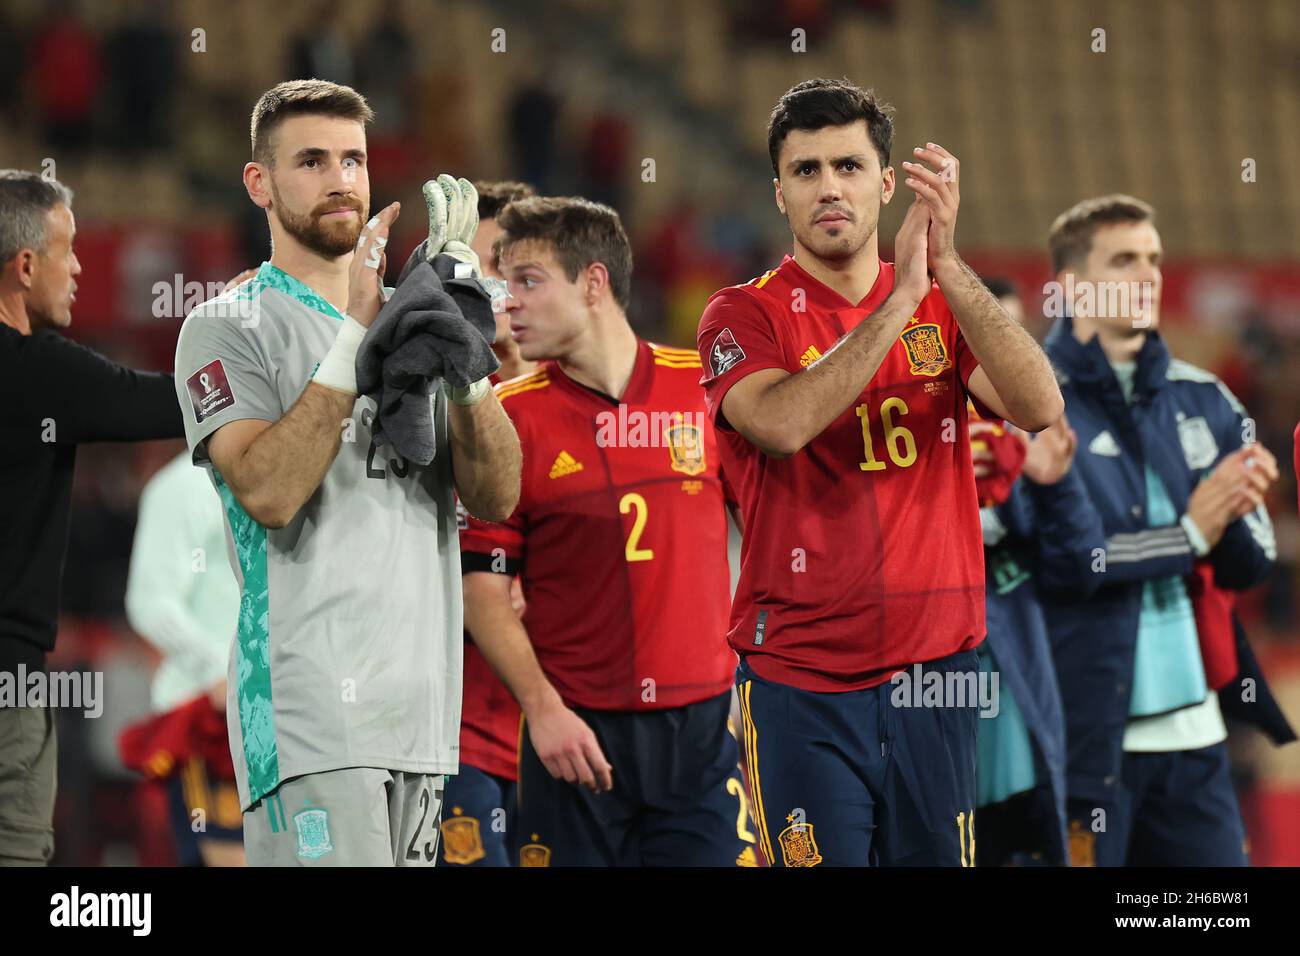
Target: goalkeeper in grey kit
345 674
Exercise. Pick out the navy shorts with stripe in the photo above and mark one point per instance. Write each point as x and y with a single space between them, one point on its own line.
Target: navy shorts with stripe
678 799
851 779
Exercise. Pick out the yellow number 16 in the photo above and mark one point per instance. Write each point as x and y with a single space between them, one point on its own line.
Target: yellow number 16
898 440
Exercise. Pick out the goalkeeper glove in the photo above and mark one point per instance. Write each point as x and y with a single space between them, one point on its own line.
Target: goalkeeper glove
453 219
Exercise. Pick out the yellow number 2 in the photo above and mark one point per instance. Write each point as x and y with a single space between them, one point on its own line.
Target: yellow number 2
899 441
625 505
963 819
737 790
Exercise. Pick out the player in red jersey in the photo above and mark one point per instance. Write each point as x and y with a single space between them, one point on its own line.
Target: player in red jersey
620 663
479 802
838 383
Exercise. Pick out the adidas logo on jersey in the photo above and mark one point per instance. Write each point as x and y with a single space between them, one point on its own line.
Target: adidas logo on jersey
1104 444
565 464
809 356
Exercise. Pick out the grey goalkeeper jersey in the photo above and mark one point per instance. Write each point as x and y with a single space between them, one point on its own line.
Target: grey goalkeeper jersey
347 651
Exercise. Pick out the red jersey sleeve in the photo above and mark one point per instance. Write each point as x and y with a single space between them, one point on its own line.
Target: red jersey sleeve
736 339
491 546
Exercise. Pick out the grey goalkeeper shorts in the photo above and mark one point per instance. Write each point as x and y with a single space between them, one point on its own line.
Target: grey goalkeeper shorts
358 816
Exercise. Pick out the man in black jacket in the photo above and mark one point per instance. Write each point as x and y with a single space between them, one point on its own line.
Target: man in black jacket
54 395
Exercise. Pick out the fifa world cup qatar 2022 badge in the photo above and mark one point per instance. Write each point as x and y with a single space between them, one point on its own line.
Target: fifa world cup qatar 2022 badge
725 354
209 391
313 826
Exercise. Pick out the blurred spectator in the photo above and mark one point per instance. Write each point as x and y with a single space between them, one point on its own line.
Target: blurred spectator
384 65
732 234
65 76
142 79
882 10
104 495
604 158
774 21
532 115
322 51
11 67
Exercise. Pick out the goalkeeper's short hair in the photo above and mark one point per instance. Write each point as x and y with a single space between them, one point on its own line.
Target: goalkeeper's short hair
302 98
581 232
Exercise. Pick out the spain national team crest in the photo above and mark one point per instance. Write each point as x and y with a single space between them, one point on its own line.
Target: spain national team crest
799 846
1199 447
1083 845
926 353
686 446
313 827
534 854
462 840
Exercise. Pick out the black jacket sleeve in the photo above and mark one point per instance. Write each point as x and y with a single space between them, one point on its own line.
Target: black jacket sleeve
77 395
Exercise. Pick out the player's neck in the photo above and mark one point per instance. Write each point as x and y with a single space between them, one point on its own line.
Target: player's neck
326 277
1117 348
605 358
512 363
852 278
14 314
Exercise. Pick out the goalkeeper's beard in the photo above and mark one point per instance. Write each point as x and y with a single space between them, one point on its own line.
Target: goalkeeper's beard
329 240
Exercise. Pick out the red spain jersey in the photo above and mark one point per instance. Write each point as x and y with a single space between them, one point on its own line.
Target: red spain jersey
620 536
862 553
489 714
489 719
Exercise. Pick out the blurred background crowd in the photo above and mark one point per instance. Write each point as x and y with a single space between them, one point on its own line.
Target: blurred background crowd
142 108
